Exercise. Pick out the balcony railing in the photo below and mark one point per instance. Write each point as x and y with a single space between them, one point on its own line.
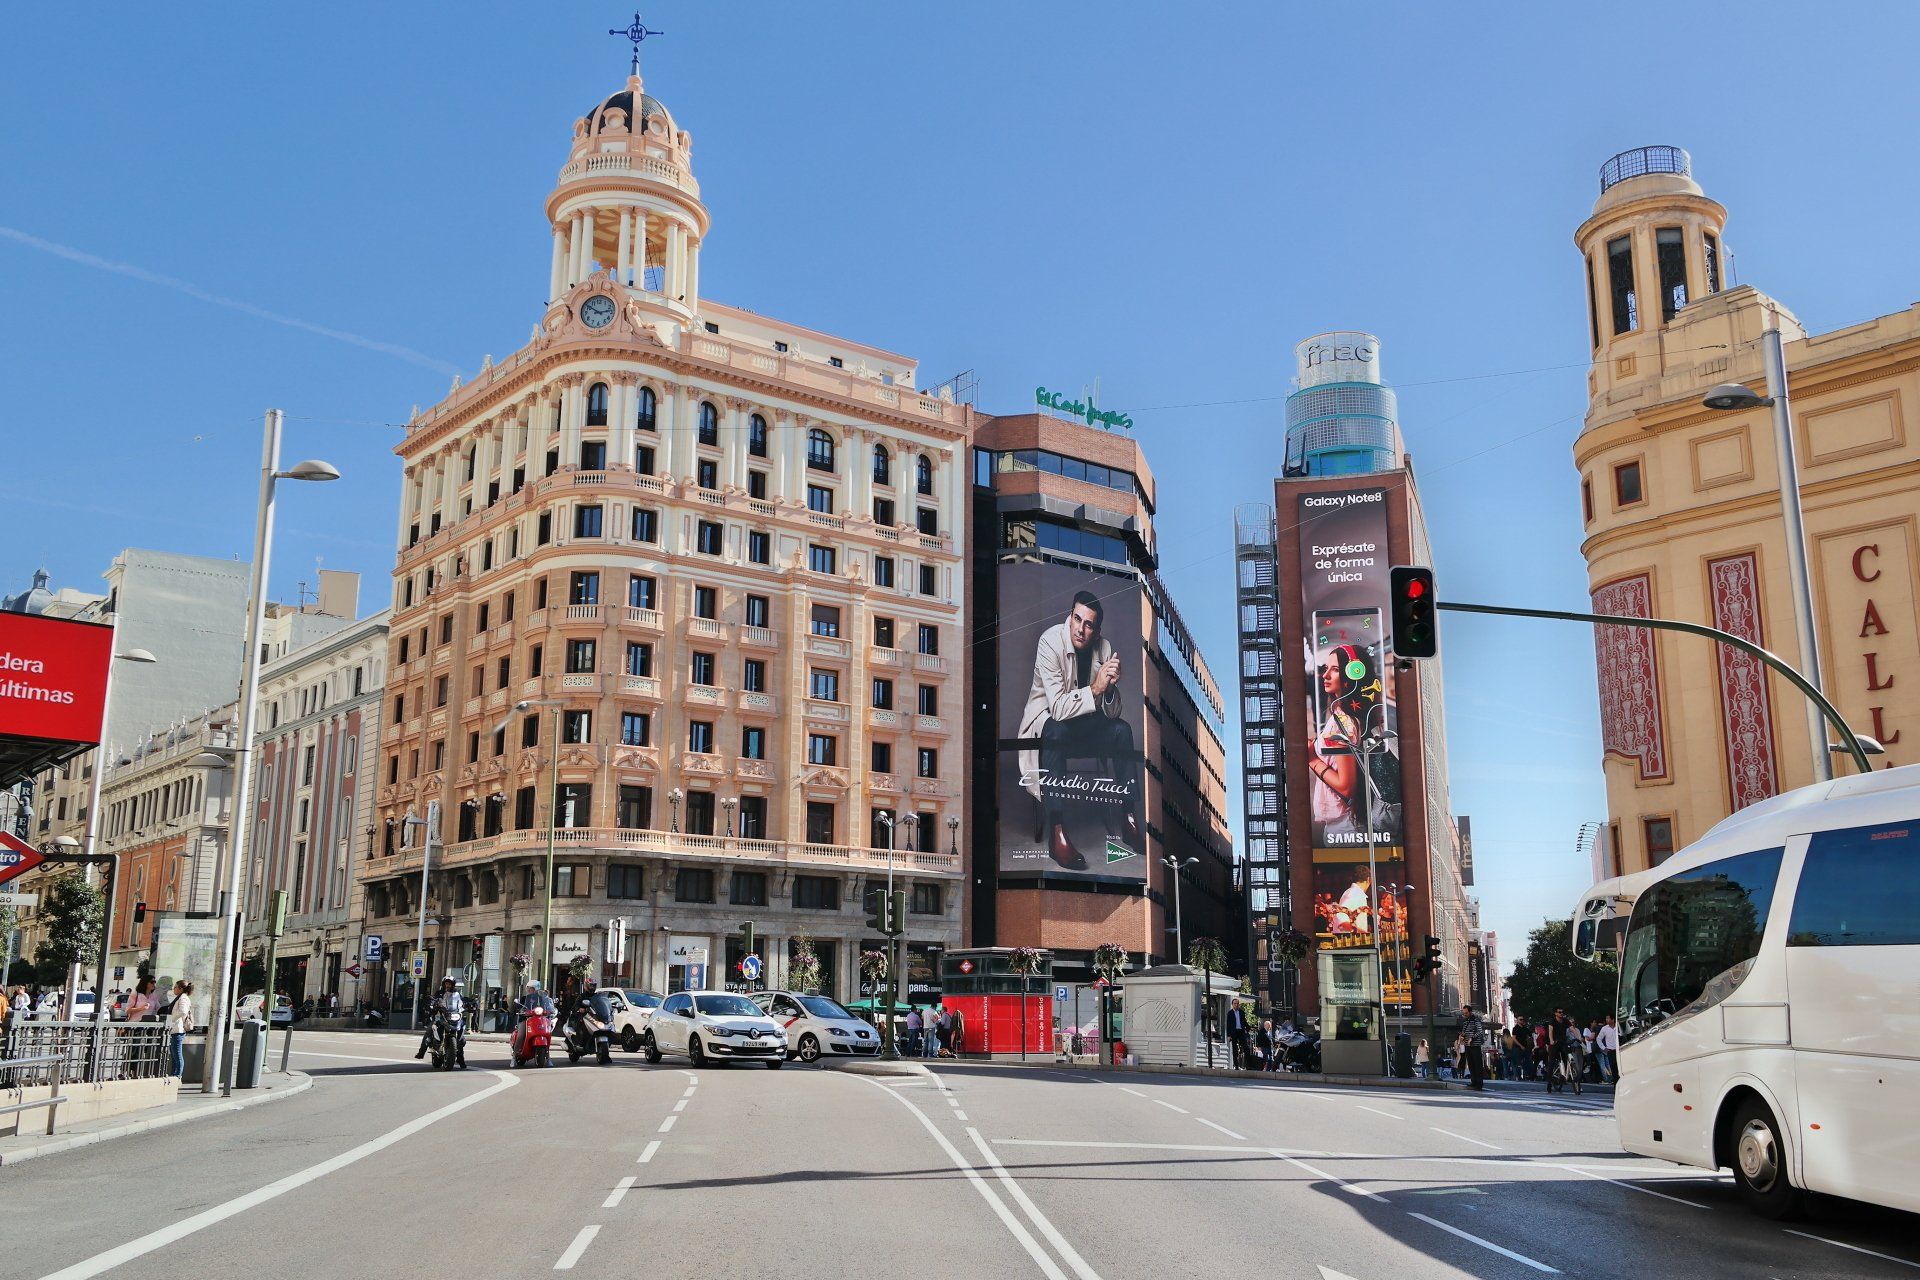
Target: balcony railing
669 843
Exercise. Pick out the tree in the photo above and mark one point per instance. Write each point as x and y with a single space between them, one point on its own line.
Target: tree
1550 977
73 913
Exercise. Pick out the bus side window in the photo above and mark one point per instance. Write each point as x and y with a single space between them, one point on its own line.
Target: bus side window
1859 888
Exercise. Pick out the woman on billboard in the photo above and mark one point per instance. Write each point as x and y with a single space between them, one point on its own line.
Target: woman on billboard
1350 692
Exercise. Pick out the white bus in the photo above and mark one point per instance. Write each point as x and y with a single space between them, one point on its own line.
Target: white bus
1769 1002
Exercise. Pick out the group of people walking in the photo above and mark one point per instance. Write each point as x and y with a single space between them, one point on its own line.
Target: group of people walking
932 1034
1556 1051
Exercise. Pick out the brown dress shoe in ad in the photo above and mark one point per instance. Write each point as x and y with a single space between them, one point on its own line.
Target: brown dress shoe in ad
1063 851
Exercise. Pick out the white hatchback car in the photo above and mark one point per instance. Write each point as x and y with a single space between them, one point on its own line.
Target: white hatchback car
817 1027
714 1026
632 1010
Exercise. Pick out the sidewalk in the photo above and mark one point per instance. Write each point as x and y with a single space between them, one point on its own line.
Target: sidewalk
190 1105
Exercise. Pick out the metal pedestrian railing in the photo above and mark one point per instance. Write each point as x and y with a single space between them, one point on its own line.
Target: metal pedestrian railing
39 1053
20 1105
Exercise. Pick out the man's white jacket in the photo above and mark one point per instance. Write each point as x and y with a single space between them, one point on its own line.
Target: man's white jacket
1055 695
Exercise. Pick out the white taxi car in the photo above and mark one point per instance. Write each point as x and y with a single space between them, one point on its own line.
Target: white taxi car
632 1010
817 1027
713 1026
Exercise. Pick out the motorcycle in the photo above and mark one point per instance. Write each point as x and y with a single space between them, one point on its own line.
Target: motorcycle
587 1034
447 1043
532 1036
1300 1051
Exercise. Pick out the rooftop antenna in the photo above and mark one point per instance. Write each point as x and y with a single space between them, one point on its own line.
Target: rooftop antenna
636 34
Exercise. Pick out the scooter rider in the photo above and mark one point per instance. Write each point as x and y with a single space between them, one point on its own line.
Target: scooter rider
450 1000
593 1002
535 998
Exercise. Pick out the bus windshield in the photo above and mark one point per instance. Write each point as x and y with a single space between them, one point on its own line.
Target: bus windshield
1692 938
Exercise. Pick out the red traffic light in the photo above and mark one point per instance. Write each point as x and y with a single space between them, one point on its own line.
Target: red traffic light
1416 588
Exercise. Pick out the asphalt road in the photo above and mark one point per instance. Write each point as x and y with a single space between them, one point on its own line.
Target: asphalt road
385 1166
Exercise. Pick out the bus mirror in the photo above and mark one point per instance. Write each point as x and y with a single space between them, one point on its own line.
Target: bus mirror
1584 936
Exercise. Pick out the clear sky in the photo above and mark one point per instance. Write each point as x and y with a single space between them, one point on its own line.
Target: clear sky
207 210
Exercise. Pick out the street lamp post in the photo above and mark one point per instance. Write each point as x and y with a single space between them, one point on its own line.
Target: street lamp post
1179 939
428 826
897 984
673 802
233 909
726 806
1732 396
553 813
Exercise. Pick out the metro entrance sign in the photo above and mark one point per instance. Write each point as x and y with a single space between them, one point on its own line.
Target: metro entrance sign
17 857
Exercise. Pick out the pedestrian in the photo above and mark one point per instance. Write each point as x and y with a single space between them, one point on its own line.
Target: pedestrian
1237 1034
1263 1046
1606 1042
956 1033
141 1003
179 1021
930 1032
1473 1038
914 1026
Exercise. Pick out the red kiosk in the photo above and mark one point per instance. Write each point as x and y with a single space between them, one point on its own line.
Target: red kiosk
996 1004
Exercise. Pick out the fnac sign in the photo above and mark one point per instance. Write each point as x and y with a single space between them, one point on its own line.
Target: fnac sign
53 678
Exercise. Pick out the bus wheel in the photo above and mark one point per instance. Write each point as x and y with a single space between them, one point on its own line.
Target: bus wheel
1760 1163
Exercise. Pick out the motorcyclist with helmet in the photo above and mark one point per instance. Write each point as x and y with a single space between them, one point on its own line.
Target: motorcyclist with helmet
449 1001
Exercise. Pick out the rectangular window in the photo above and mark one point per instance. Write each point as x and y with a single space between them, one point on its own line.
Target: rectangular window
646 524
506 607
883 571
883 693
929 581
1626 484
816 893
636 729
700 812
883 757
1593 308
748 889
820 499
504 672
576 726
759 547
883 632
927 520
883 512
1586 498
822 748
819 822
625 882
480 615
403 651
643 459
708 474
757 435
1626 305
639 658
929 762
757 485
824 620
540 593
580 654
530 731
576 804
820 559
700 737
523 809
929 700
635 811
1659 834
926 898
572 880
1670 256
753 817
753 675
583 586
534 658
543 529
1859 888
1711 245
586 521
929 638
693 884
753 743
758 611
824 685
706 602
702 668
446 629
707 540
399 706
640 590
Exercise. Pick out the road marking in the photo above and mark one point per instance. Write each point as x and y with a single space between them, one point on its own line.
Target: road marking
1342 1183
958 1114
1521 1258
1169 1106
1222 1128
1121 1146
680 1106
619 1193
1388 1114
1135 1092
167 1235
349 1057
667 1123
1645 1191
1039 1219
1856 1248
647 1155
1047 1266
689 1092
1463 1137
578 1247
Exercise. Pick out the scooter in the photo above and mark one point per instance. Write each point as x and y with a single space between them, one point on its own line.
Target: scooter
531 1037
1300 1051
587 1034
447 1047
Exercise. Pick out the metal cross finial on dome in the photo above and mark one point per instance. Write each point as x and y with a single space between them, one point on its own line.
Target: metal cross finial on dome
637 33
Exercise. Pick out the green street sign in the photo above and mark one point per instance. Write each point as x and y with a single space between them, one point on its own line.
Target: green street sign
1077 409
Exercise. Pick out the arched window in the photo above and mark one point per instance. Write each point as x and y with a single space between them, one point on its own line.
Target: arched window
819 449
923 474
882 465
645 419
709 423
757 436
597 405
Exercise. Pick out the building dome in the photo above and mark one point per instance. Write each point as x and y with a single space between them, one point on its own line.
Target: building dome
651 109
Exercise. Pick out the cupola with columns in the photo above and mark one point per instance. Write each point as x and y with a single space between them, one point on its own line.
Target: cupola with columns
627 204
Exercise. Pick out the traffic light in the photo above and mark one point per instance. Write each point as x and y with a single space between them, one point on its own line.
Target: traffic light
479 948
877 910
1430 963
746 936
897 918
139 912
1415 632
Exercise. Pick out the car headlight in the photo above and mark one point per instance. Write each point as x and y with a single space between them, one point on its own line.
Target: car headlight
839 1031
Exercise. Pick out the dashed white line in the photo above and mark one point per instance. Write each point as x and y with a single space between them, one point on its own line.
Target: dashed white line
1169 1106
578 1247
958 1114
689 1092
1856 1248
1135 1092
667 1123
1377 1111
1039 1219
1645 1191
1521 1258
647 1155
680 1106
1222 1128
619 1193
1342 1183
1464 1138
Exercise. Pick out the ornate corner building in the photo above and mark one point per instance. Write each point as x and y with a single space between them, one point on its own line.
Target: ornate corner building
719 559
1682 512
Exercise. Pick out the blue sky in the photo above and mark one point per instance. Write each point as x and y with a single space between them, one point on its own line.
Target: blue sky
1163 197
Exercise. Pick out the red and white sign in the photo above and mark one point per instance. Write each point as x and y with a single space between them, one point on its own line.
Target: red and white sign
17 857
966 966
53 677
354 971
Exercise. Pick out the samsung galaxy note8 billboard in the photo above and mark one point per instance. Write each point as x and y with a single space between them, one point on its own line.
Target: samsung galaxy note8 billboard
1071 723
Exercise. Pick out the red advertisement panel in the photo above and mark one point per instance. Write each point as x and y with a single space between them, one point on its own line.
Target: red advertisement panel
53 677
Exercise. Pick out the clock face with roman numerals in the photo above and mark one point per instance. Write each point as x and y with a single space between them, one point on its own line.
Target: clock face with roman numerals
597 312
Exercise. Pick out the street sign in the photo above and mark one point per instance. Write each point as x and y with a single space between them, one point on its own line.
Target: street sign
373 949
19 899
750 968
17 857
1060 994
966 966
419 966
354 971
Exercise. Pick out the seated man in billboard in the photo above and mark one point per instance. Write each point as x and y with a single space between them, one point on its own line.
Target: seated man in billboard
1074 709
